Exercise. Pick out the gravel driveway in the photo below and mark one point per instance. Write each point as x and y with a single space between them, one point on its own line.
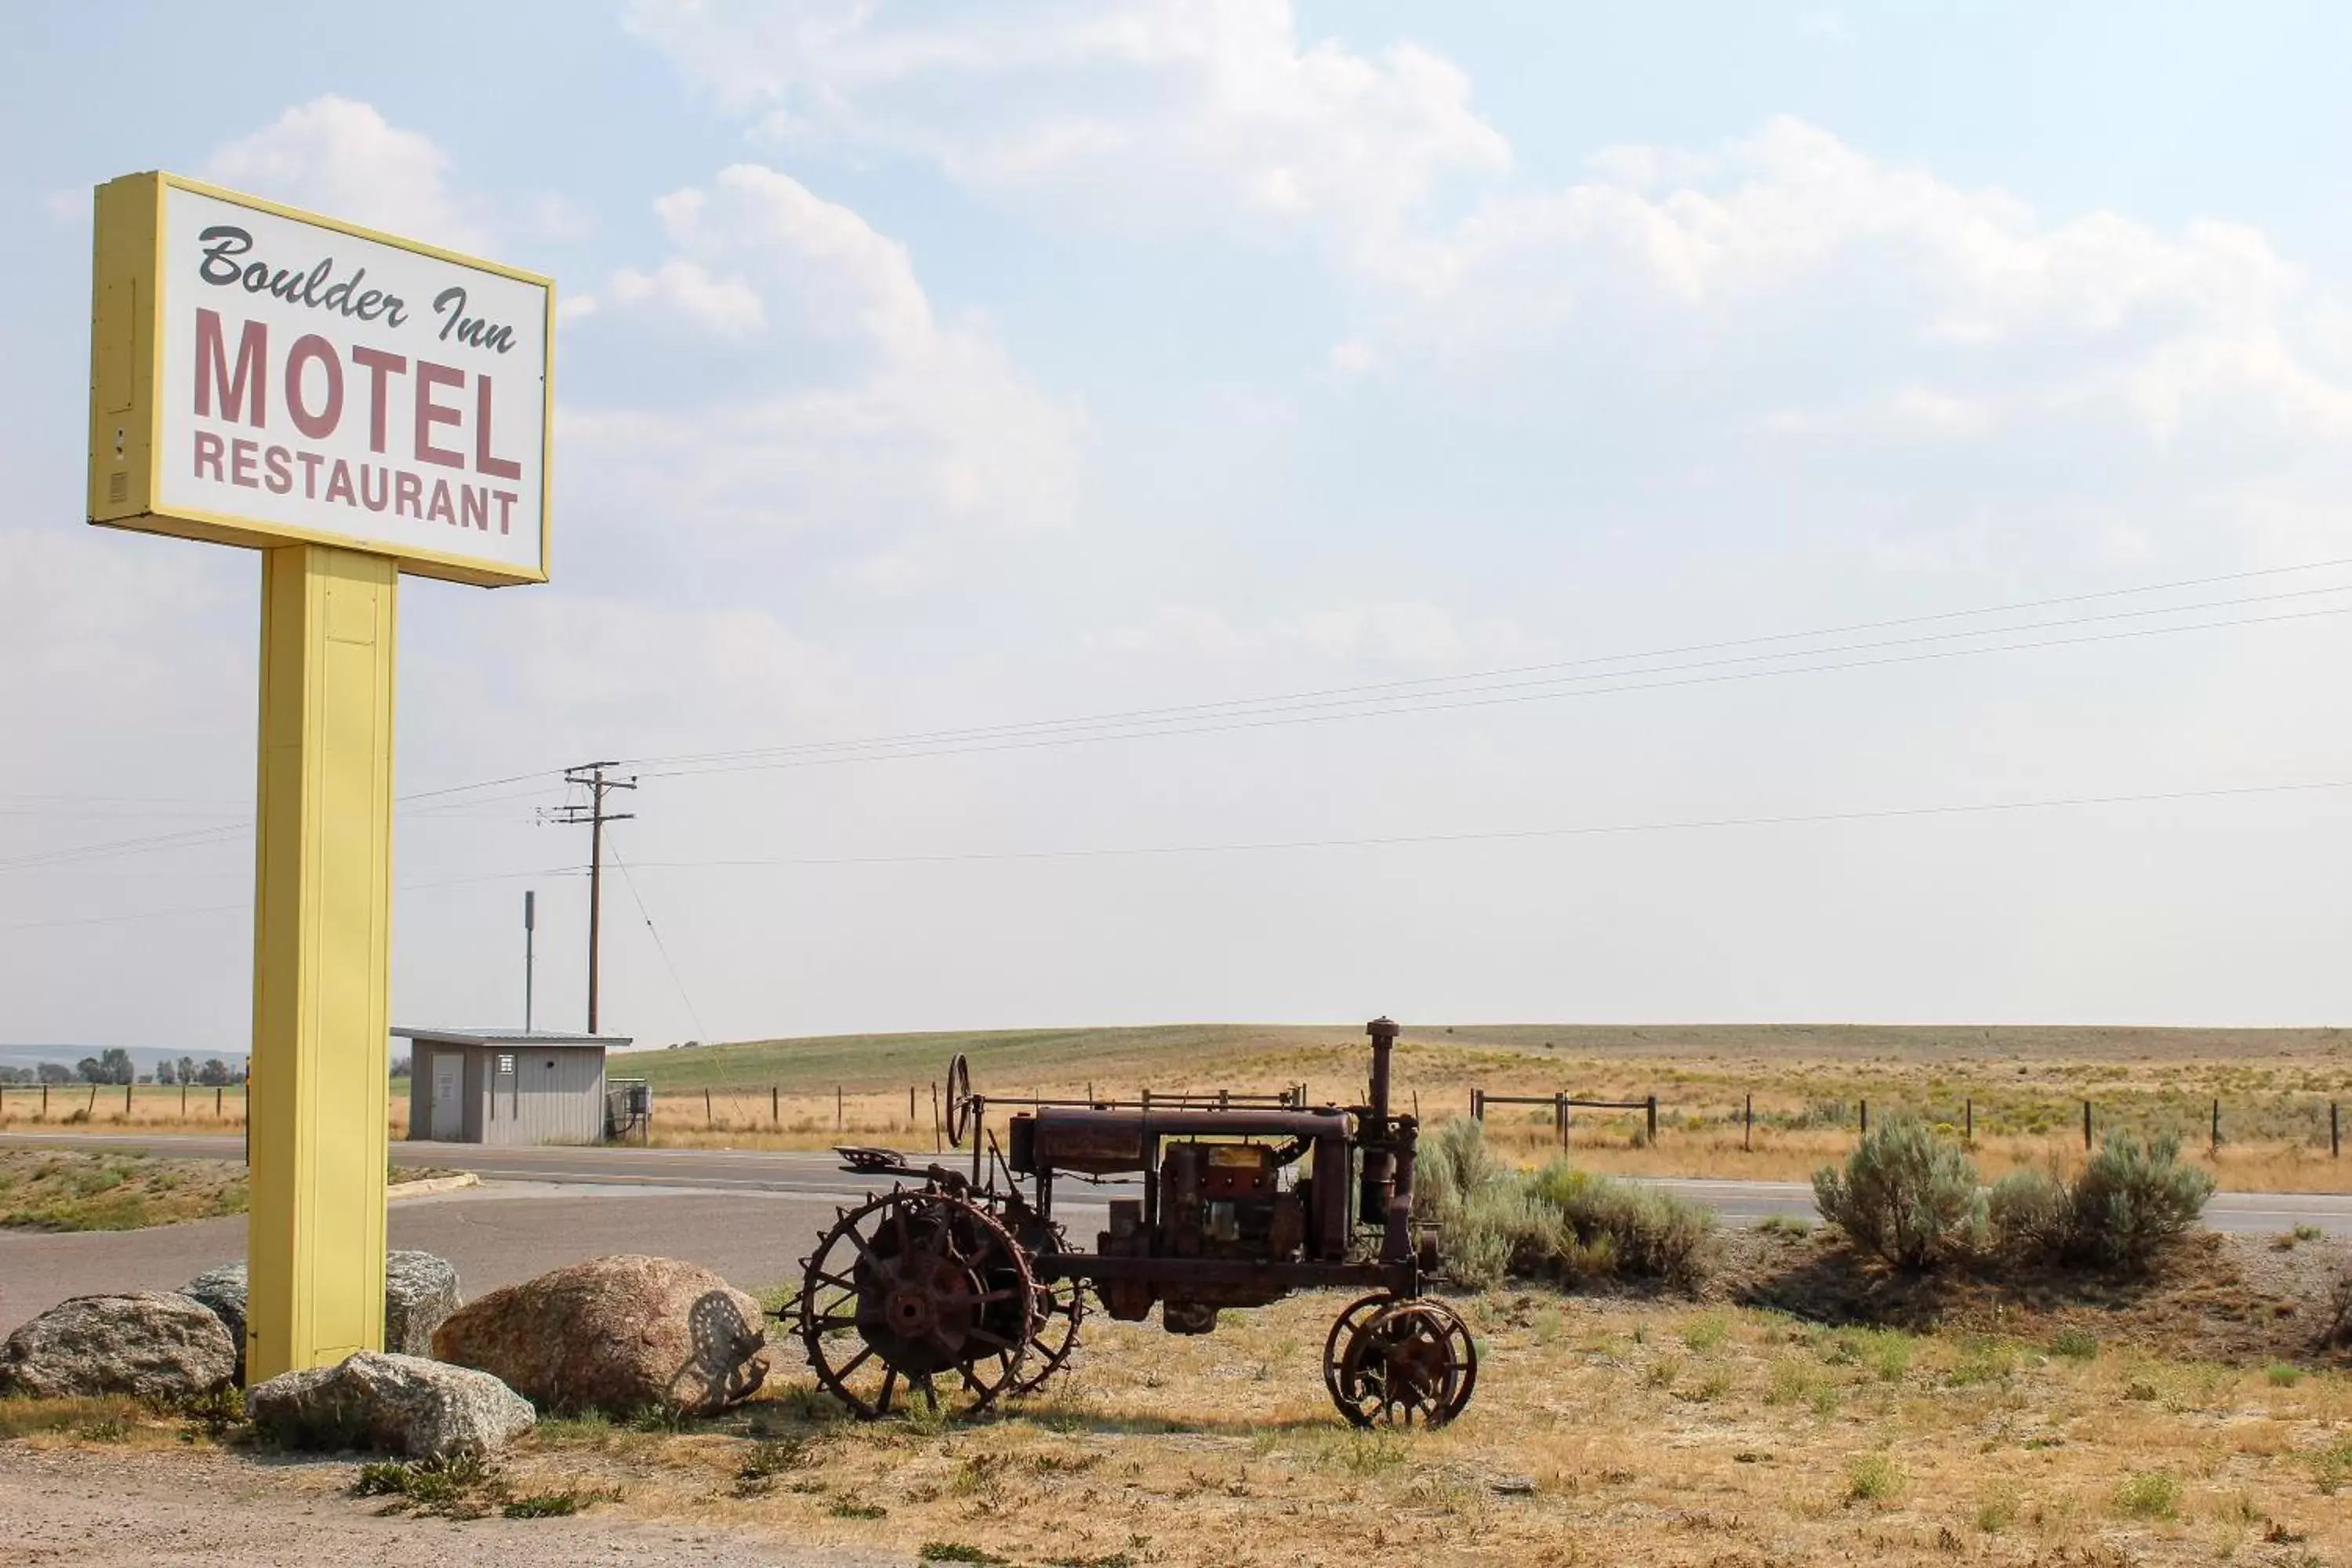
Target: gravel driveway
100 1509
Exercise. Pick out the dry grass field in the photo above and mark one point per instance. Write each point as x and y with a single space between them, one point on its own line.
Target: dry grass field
2025 1086
1603 1431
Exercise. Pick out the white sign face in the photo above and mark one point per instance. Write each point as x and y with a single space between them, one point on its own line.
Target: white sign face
333 386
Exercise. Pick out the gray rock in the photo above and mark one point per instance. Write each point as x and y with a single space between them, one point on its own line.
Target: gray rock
152 1344
390 1403
223 1290
420 1291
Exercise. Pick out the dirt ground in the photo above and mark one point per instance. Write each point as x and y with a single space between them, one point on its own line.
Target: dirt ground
198 1508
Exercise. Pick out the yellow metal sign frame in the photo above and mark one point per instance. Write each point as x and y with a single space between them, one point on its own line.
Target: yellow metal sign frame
322 855
126 416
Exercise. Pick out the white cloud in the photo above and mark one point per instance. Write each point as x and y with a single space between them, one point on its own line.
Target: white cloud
726 307
1159 115
1791 283
868 415
338 156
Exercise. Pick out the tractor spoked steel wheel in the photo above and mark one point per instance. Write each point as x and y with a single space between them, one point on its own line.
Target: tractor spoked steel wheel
918 1296
1343 1331
1061 1307
1410 1363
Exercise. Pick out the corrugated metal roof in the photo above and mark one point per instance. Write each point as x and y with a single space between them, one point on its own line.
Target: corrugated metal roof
507 1036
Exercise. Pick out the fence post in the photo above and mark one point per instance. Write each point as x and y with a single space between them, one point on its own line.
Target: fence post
776 1105
184 1099
938 1143
126 1103
911 1105
1416 1102
91 1108
2214 1148
216 1101
44 1097
2335 1132
837 1121
1748 1124
1478 1105
1559 1118
1866 1119
1653 1120
2086 1127
1969 1135
706 1111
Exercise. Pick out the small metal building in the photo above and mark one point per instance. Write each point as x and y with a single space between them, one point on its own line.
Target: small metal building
506 1086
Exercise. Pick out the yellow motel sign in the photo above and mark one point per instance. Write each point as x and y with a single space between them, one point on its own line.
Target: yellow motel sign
354 406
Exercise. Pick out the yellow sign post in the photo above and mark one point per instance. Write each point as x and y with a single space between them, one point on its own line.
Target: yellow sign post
354 406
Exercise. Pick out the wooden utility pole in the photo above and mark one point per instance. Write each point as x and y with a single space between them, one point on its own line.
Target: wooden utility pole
590 776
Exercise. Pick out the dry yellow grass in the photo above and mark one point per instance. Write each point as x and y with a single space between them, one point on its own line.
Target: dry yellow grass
76 1106
2026 1086
1601 1431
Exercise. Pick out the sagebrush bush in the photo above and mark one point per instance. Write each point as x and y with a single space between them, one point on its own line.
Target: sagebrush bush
1500 1232
1906 1195
1622 1228
2032 1215
1451 1166
1558 1223
2133 1197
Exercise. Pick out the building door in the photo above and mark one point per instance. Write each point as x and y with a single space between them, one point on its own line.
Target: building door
448 1097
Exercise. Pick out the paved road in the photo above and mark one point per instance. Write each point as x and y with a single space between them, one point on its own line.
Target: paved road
494 1235
817 1173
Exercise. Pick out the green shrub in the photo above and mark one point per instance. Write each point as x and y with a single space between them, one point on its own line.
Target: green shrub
1499 1231
1453 1165
1905 1195
2032 1215
2075 1345
1560 1223
2151 1494
1640 1232
2133 1197
1872 1477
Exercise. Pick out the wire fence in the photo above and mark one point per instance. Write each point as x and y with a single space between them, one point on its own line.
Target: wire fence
2309 1122
145 1104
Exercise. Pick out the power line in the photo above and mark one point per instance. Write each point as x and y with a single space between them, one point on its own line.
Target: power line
1177 712
1510 834
1514 697
660 946
199 838
246 904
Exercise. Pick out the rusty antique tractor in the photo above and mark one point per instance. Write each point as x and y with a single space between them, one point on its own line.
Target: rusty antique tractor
959 1292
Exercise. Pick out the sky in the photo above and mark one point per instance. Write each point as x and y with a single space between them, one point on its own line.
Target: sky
1605 514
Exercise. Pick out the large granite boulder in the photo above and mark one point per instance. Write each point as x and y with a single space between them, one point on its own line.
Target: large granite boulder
615 1334
390 1403
223 1290
419 1292
151 1344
